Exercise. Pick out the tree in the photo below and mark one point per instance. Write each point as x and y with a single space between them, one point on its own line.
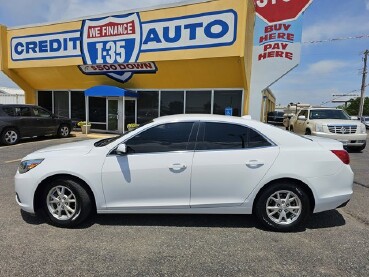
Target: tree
354 105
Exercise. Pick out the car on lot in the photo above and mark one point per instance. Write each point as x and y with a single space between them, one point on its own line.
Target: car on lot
20 121
365 120
330 123
200 164
275 118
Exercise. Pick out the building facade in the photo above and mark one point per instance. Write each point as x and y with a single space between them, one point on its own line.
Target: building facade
192 58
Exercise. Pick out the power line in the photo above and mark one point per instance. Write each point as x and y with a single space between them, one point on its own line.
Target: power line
336 39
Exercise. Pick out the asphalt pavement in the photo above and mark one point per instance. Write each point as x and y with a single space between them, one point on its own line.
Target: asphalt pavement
334 243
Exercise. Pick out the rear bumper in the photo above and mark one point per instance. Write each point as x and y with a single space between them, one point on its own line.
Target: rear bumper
333 191
347 140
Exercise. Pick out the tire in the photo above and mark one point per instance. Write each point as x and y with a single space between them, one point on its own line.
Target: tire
291 128
280 216
63 131
10 136
65 203
308 132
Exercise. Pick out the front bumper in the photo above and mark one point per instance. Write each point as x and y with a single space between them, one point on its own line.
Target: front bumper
25 187
346 139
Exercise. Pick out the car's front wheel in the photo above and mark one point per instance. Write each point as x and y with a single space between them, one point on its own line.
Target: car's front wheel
64 131
66 203
10 136
282 207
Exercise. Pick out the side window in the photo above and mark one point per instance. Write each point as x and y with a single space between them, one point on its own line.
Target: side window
41 112
9 111
304 113
163 138
221 136
25 111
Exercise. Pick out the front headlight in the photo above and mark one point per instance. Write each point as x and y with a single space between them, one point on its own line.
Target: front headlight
362 129
319 127
28 165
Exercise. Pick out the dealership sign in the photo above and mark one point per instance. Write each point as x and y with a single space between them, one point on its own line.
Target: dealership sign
121 39
280 10
277 44
135 67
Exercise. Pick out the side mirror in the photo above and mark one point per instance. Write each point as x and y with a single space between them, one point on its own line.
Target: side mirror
301 117
121 149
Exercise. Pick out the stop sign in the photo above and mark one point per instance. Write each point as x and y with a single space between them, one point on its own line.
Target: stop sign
280 10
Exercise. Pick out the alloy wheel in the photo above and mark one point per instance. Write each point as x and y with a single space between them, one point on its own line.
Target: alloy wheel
11 137
283 207
61 203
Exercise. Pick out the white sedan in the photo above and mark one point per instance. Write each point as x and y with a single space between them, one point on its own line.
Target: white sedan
204 164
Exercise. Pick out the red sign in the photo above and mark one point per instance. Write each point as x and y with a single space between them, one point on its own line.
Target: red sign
280 10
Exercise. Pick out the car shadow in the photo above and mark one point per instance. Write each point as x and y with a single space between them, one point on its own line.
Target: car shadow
323 220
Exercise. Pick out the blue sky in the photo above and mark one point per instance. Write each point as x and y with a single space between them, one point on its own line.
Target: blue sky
325 68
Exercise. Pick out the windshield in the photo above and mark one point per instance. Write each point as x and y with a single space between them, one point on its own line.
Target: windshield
366 118
329 114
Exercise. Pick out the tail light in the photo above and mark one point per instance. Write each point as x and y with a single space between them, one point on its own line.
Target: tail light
342 155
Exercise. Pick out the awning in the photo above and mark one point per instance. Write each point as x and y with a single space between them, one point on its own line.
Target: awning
109 91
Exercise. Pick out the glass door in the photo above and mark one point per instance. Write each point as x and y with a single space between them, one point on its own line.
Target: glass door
112 114
130 112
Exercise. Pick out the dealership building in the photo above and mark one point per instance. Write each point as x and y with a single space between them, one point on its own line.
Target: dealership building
133 66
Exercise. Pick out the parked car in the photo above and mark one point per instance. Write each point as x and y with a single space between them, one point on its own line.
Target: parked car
365 121
19 121
275 118
330 123
208 164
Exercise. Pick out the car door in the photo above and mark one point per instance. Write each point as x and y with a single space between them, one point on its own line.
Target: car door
44 121
26 122
300 124
229 162
155 172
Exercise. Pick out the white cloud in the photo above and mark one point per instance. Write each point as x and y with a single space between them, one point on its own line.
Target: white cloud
325 67
26 12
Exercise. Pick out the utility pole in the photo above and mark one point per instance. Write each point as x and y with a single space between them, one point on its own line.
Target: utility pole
366 53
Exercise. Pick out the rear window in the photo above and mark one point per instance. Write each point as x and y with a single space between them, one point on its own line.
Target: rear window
9 111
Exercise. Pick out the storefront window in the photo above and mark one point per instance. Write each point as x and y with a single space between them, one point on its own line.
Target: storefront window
147 106
45 100
97 109
227 98
78 109
61 103
172 102
198 102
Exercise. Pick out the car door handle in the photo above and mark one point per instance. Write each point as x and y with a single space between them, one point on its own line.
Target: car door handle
254 164
178 166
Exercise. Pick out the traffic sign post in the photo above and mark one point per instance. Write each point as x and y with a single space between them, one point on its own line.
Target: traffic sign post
273 11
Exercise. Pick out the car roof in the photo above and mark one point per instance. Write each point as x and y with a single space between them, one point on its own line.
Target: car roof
200 117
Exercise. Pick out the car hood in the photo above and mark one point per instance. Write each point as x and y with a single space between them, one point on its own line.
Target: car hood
327 143
79 148
336 122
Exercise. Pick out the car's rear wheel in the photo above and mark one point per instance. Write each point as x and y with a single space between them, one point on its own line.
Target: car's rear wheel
282 207
10 136
64 131
65 203
308 132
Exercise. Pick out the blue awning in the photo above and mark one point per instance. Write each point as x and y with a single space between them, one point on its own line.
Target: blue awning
109 91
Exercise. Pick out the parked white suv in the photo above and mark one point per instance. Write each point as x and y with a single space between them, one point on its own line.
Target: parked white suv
330 123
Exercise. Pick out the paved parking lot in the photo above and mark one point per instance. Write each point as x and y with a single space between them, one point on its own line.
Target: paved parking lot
334 243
